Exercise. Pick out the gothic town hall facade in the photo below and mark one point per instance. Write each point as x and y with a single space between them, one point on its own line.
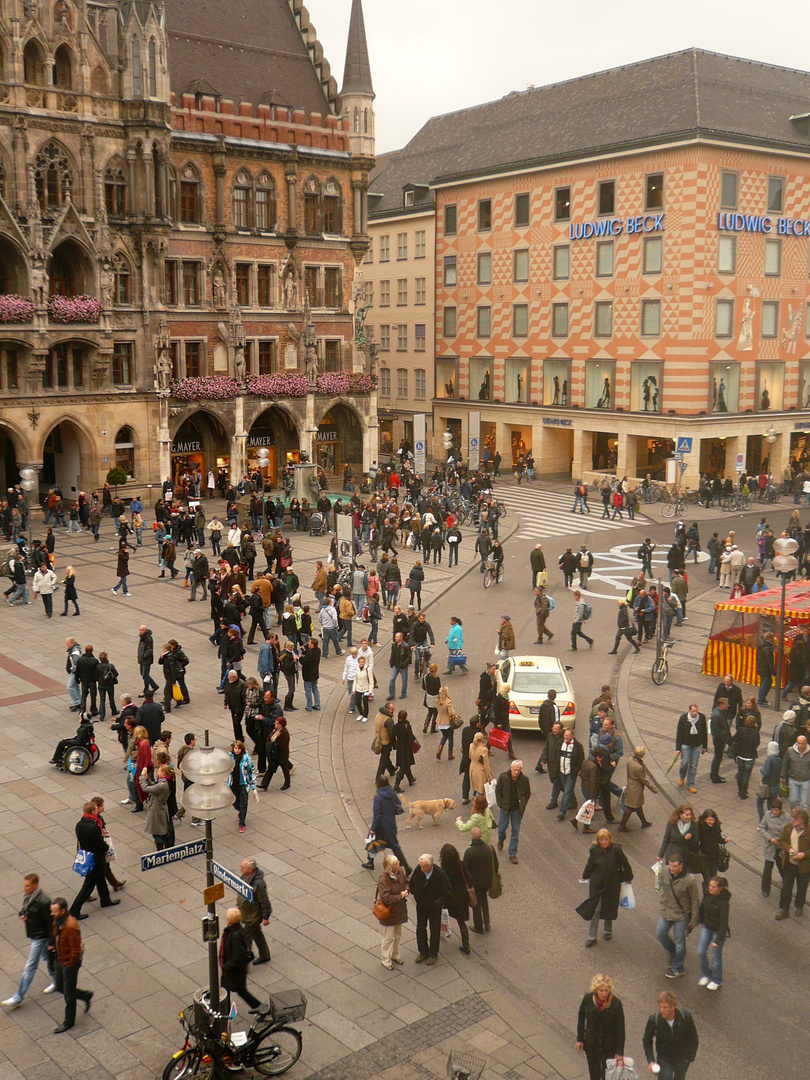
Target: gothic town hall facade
183 203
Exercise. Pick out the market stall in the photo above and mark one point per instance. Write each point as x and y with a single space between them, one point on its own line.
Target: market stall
739 625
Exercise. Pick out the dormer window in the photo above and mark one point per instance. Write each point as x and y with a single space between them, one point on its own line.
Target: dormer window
409 198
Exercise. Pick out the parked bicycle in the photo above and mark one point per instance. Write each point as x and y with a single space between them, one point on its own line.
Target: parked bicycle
211 1050
675 508
736 502
660 668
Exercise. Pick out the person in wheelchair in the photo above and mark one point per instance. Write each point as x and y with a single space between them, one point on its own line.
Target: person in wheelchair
81 738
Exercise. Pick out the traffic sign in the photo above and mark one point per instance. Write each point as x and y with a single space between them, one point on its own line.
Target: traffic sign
684 444
173 854
420 446
213 893
232 881
473 443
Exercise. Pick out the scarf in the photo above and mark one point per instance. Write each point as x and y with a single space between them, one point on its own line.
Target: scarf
600 1005
35 895
693 723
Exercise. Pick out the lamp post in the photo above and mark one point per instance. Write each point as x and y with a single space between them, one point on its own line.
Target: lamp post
784 563
208 768
28 481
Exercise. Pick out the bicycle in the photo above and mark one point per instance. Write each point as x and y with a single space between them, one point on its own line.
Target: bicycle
421 660
493 572
674 508
660 668
210 1050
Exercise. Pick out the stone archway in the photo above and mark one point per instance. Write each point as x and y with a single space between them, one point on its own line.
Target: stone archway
69 458
14 454
276 429
339 439
201 442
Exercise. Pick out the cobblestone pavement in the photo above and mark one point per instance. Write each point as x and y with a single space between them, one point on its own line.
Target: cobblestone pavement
144 958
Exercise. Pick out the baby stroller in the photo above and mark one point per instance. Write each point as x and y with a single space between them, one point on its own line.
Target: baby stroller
317 525
76 755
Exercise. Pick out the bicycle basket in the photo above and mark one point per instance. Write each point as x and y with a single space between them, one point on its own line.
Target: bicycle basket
464 1066
201 1022
288 1005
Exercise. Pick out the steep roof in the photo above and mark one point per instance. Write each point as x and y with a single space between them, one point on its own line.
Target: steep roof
357 72
248 50
688 93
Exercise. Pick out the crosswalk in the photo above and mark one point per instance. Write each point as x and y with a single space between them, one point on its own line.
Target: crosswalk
548 513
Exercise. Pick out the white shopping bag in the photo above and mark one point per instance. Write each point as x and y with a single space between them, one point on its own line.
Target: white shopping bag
585 812
489 791
445 923
620 1072
627 898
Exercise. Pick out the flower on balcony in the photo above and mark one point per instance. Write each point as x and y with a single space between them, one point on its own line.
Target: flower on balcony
335 383
74 309
205 387
284 384
15 309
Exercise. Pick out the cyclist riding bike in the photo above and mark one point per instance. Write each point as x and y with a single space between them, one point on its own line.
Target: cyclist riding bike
421 639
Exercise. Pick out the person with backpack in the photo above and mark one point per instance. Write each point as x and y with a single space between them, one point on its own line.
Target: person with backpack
645 554
106 678
543 606
584 565
582 612
580 499
670 1038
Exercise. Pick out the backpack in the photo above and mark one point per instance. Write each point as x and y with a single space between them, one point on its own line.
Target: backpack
587 611
581 489
583 560
550 602
109 676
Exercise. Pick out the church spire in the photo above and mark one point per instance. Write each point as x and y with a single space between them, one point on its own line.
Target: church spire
357 72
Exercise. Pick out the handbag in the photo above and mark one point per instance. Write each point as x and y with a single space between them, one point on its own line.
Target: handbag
496 885
455 721
110 855
430 700
380 910
723 858
541 578
763 792
415 746
177 693
84 862
498 738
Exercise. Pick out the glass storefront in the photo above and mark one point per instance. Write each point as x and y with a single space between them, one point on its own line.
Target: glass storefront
724 388
481 378
770 386
645 385
447 377
600 377
556 381
516 381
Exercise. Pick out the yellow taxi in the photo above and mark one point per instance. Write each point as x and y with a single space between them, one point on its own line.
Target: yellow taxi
529 679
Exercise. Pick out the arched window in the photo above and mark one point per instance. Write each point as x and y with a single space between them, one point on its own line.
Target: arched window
312 206
265 202
365 121
33 64
137 72
99 83
115 189
190 196
52 176
123 280
125 450
152 68
63 68
332 207
241 200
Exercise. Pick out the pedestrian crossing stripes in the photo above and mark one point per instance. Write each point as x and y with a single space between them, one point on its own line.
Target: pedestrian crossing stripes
548 513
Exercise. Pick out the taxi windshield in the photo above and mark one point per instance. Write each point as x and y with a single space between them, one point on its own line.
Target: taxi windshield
538 682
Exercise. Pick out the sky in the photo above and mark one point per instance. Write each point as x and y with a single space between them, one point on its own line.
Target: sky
435 56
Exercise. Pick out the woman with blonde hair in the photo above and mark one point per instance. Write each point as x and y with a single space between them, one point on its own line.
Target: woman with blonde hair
392 890
480 771
600 1027
445 714
606 870
143 761
70 590
234 957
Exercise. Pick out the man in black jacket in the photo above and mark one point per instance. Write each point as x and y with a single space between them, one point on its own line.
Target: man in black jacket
310 664
431 891
288 666
548 715
86 675
675 1038
480 862
765 668
691 740
234 699
150 715
721 735
565 758
487 690
512 794
199 575
399 661
90 838
729 690
256 912
146 657
36 914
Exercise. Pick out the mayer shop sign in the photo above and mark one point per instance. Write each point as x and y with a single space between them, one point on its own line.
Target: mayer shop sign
327 434
187 446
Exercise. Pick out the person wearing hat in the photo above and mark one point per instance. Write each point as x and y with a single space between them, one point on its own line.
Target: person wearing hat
506 637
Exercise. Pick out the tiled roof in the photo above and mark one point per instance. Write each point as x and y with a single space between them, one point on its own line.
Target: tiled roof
248 50
682 94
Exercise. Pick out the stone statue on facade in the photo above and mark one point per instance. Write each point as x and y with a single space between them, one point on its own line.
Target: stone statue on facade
219 290
359 332
38 284
163 363
291 291
309 339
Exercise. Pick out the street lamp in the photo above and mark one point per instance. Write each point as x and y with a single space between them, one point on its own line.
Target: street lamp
208 768
784 563
28 481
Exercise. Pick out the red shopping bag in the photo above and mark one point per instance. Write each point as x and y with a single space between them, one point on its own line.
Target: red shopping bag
498 739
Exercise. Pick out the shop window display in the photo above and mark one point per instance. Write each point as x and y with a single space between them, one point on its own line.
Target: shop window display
599 381
556 382
645 386
770 386
481 378
724 388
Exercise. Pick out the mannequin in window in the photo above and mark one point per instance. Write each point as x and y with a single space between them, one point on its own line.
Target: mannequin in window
564 395
807 398
483 392
721 406
765 399
655 393
604 400
449 388
556 399
646 393
519 386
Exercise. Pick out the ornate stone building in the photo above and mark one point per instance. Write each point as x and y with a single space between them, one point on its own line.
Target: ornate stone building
183 207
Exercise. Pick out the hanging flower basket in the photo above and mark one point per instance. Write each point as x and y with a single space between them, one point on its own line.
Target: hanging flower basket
205 388
15 309
335 383
74 309
284 384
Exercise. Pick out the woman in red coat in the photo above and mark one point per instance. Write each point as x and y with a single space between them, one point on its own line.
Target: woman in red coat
142 761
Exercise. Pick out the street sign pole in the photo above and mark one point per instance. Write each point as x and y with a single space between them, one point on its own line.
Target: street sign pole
785 563
211 923
420 444
474 440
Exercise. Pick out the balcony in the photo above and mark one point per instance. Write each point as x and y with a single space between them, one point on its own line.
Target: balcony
74 309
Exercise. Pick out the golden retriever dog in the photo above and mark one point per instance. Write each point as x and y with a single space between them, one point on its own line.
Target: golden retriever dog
426 807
